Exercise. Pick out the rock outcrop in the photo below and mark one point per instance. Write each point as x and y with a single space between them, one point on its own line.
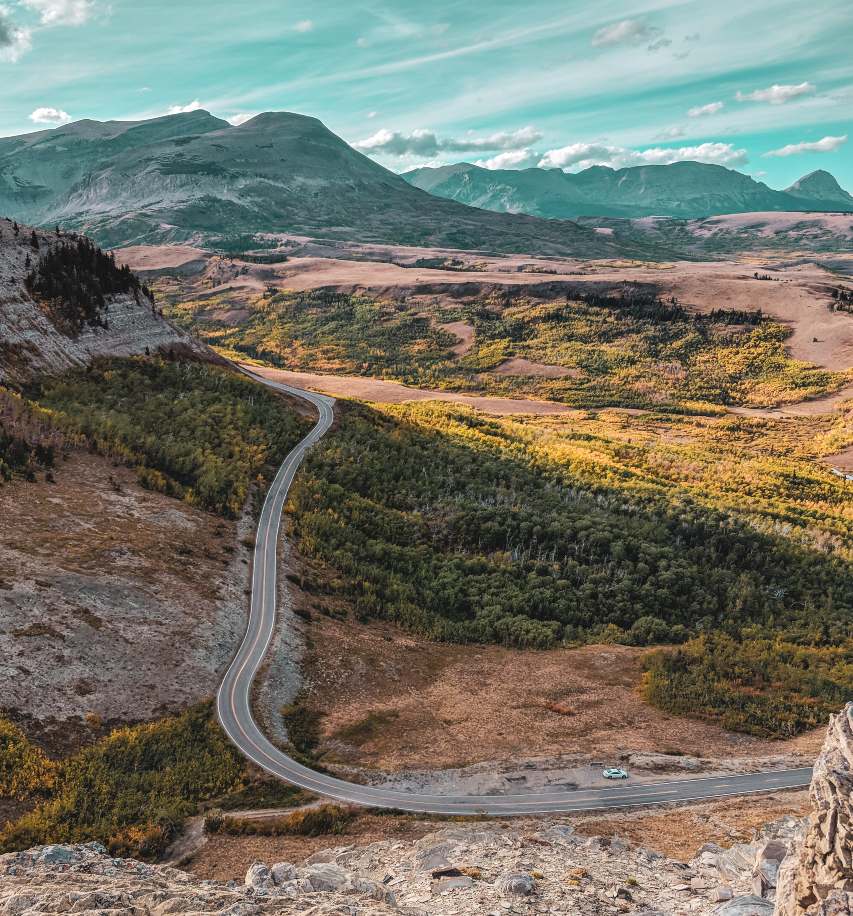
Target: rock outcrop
816 879
31 344
463 869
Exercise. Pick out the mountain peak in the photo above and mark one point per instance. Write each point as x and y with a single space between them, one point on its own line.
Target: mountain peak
820 185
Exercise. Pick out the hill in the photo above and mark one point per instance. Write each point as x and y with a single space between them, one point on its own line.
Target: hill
195 177
64 302
686 190
820 186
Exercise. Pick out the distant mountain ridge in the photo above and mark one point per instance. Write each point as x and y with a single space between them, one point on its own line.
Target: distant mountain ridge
192 176
687 190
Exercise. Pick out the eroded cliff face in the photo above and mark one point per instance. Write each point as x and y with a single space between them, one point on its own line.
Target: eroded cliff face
816 879
32 344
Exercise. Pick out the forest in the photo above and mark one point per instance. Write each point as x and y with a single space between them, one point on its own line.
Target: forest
625 348
75 278
565 532
195 431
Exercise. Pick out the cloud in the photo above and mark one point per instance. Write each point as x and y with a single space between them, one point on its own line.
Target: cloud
62 12
54 116
194 105
671 133
824 145
304 25
15 40
700 110
776 94
422 142
372 114
511 159
584 155
632 32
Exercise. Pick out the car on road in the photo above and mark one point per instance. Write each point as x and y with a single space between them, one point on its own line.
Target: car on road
614 773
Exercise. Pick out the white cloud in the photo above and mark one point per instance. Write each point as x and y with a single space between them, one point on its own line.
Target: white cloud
422 142
700 110
824 145
511 159
670 133
372 114
54 116
15 40
630 31
583 155
238 119
304 25
776 94
194 105
62 12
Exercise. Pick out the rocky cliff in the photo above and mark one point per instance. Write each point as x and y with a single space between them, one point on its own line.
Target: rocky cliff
32 341
816 879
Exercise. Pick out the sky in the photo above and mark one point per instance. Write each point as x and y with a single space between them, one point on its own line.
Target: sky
764 86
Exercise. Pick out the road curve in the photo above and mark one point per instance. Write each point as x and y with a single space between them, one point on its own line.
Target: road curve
233 701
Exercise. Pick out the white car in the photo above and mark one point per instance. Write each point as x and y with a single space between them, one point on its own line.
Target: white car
615 773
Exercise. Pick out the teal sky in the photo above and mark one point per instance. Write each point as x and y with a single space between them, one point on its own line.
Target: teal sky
765 86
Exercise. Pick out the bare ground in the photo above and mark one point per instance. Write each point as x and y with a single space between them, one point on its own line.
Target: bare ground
394 702
464 332
116 602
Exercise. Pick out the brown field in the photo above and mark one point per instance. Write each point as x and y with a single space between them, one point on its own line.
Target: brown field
394 702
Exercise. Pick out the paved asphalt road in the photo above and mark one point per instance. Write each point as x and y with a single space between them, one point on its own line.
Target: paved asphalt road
233 702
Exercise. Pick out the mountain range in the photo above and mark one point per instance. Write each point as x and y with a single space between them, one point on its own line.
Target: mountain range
194 177
688 190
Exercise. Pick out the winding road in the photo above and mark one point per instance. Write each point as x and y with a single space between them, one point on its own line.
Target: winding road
234 708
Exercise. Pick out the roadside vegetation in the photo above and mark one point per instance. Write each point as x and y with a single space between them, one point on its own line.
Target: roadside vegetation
131 790
627 348
192 430
642 531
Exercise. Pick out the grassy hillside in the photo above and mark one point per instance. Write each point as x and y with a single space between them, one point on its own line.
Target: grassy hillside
194 431
630 349
549 532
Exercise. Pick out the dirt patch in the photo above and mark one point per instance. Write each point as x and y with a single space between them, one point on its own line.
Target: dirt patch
843 461
464 332
524 367
394 702
120 604
679 832
382 392
159 257
223 858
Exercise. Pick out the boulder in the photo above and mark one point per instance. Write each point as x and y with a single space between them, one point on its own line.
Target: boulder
282 871
326 876
516 885
745 906
259 878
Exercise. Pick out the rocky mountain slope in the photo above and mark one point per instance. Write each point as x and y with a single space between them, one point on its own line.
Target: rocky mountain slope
192 176
683 189
36 336
541 867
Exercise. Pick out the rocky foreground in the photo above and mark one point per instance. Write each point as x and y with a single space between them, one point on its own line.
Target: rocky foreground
478 868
